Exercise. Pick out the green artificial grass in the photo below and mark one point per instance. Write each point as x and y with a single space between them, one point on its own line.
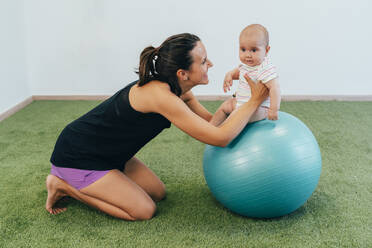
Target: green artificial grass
338 214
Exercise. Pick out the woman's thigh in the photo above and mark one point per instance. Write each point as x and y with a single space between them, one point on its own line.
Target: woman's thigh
117 189
138 172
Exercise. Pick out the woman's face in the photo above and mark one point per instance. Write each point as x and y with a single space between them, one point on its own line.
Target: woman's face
198 73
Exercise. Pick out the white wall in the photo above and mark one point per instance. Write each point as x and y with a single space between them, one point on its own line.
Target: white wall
92 46
13 70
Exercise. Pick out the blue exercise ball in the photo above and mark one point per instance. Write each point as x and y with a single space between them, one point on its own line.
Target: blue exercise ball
268 171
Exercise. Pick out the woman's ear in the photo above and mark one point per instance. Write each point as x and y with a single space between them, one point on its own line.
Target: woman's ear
182 75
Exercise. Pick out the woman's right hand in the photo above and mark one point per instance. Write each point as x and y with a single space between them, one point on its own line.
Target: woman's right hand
259 92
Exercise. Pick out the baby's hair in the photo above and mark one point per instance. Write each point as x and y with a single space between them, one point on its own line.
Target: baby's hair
259 28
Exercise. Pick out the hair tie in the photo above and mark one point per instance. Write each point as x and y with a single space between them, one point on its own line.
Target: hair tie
154 59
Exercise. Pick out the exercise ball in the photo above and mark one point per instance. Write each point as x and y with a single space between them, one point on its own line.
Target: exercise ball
269 170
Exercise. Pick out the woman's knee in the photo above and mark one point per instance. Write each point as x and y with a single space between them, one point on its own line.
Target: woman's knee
160 193
144 211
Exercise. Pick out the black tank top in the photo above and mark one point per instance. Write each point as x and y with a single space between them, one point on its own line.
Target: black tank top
107 136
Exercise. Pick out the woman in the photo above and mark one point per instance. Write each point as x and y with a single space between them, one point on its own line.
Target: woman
93 159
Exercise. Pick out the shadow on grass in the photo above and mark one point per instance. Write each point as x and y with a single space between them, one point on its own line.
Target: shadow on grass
317 203
201 209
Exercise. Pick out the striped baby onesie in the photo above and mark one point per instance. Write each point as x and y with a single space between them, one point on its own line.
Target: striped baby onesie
265 72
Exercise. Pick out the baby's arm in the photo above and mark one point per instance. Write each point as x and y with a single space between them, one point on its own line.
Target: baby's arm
229 77
275 98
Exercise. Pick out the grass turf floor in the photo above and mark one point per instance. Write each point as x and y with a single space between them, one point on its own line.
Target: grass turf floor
338 214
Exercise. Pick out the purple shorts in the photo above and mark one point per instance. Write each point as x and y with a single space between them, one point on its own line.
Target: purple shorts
77 178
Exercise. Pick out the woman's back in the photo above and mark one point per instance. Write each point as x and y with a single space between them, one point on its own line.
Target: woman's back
107 136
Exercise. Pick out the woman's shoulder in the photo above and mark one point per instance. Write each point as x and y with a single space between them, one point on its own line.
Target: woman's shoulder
148 96
154 89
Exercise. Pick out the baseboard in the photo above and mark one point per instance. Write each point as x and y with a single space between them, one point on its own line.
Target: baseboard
212 97
286 98
70 97
15 109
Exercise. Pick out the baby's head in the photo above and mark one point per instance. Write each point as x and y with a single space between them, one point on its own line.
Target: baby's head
253 44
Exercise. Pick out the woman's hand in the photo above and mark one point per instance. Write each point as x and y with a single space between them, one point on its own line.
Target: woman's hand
259 92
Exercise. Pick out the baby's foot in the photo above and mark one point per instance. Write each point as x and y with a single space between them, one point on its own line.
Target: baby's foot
55 193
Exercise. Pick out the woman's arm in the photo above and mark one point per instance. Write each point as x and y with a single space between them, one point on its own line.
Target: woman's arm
196 106
158 98
218 117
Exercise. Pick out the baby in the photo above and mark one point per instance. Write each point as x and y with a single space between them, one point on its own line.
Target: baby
253 50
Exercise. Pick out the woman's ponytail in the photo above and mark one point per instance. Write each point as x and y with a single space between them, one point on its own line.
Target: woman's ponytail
146 68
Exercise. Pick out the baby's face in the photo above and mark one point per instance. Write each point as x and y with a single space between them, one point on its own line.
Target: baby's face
252 49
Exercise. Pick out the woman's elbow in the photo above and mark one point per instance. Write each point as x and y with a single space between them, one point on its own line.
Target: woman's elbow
219 138
222 142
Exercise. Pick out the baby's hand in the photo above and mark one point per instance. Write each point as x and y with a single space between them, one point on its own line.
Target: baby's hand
227 83
272 114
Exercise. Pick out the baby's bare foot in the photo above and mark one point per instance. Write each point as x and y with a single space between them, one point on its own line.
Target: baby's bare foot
55 193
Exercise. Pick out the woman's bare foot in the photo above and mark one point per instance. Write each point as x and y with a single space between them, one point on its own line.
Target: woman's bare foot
55 193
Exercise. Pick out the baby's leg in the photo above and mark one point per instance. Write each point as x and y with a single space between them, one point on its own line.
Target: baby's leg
260 114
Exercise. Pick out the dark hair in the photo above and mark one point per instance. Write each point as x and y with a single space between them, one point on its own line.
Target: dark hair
162 63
